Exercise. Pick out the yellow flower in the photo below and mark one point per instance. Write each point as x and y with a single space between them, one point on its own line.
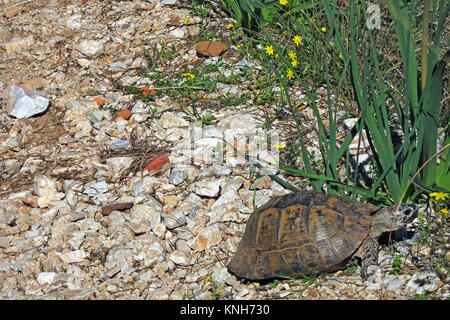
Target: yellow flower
292 55
444 210
313 20
208 278
186 19
439 195
269 50
294 63
297 40
323 29
278 146
188 76
340 56
290 74
238 46
276 55
283 2
230 26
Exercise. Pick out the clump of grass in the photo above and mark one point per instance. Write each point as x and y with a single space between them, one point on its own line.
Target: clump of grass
214 288
352 267
397 264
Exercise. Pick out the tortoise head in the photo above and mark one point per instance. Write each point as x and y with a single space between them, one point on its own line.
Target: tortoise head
392 218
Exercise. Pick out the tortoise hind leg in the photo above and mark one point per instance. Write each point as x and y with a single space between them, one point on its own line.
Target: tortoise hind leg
369 255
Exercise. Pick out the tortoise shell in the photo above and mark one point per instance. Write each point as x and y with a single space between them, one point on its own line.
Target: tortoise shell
301 233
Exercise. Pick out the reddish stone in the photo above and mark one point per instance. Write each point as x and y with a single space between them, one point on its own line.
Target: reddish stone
210 48
99 101
123 115
117 206
157 163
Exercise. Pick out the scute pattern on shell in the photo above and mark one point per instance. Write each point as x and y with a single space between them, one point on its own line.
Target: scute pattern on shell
301 233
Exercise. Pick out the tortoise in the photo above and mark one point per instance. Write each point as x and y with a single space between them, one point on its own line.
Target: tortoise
308 232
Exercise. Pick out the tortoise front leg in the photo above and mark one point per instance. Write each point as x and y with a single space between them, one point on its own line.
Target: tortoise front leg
369 256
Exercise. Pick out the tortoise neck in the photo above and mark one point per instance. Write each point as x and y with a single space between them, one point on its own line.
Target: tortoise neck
381 223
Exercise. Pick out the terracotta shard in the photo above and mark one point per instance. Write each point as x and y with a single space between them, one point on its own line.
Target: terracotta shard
123 115
117 206
210 48
100 102
157 163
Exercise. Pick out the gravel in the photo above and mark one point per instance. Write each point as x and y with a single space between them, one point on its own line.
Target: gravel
178 225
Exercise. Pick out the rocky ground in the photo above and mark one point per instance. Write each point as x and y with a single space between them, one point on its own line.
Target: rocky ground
97 204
